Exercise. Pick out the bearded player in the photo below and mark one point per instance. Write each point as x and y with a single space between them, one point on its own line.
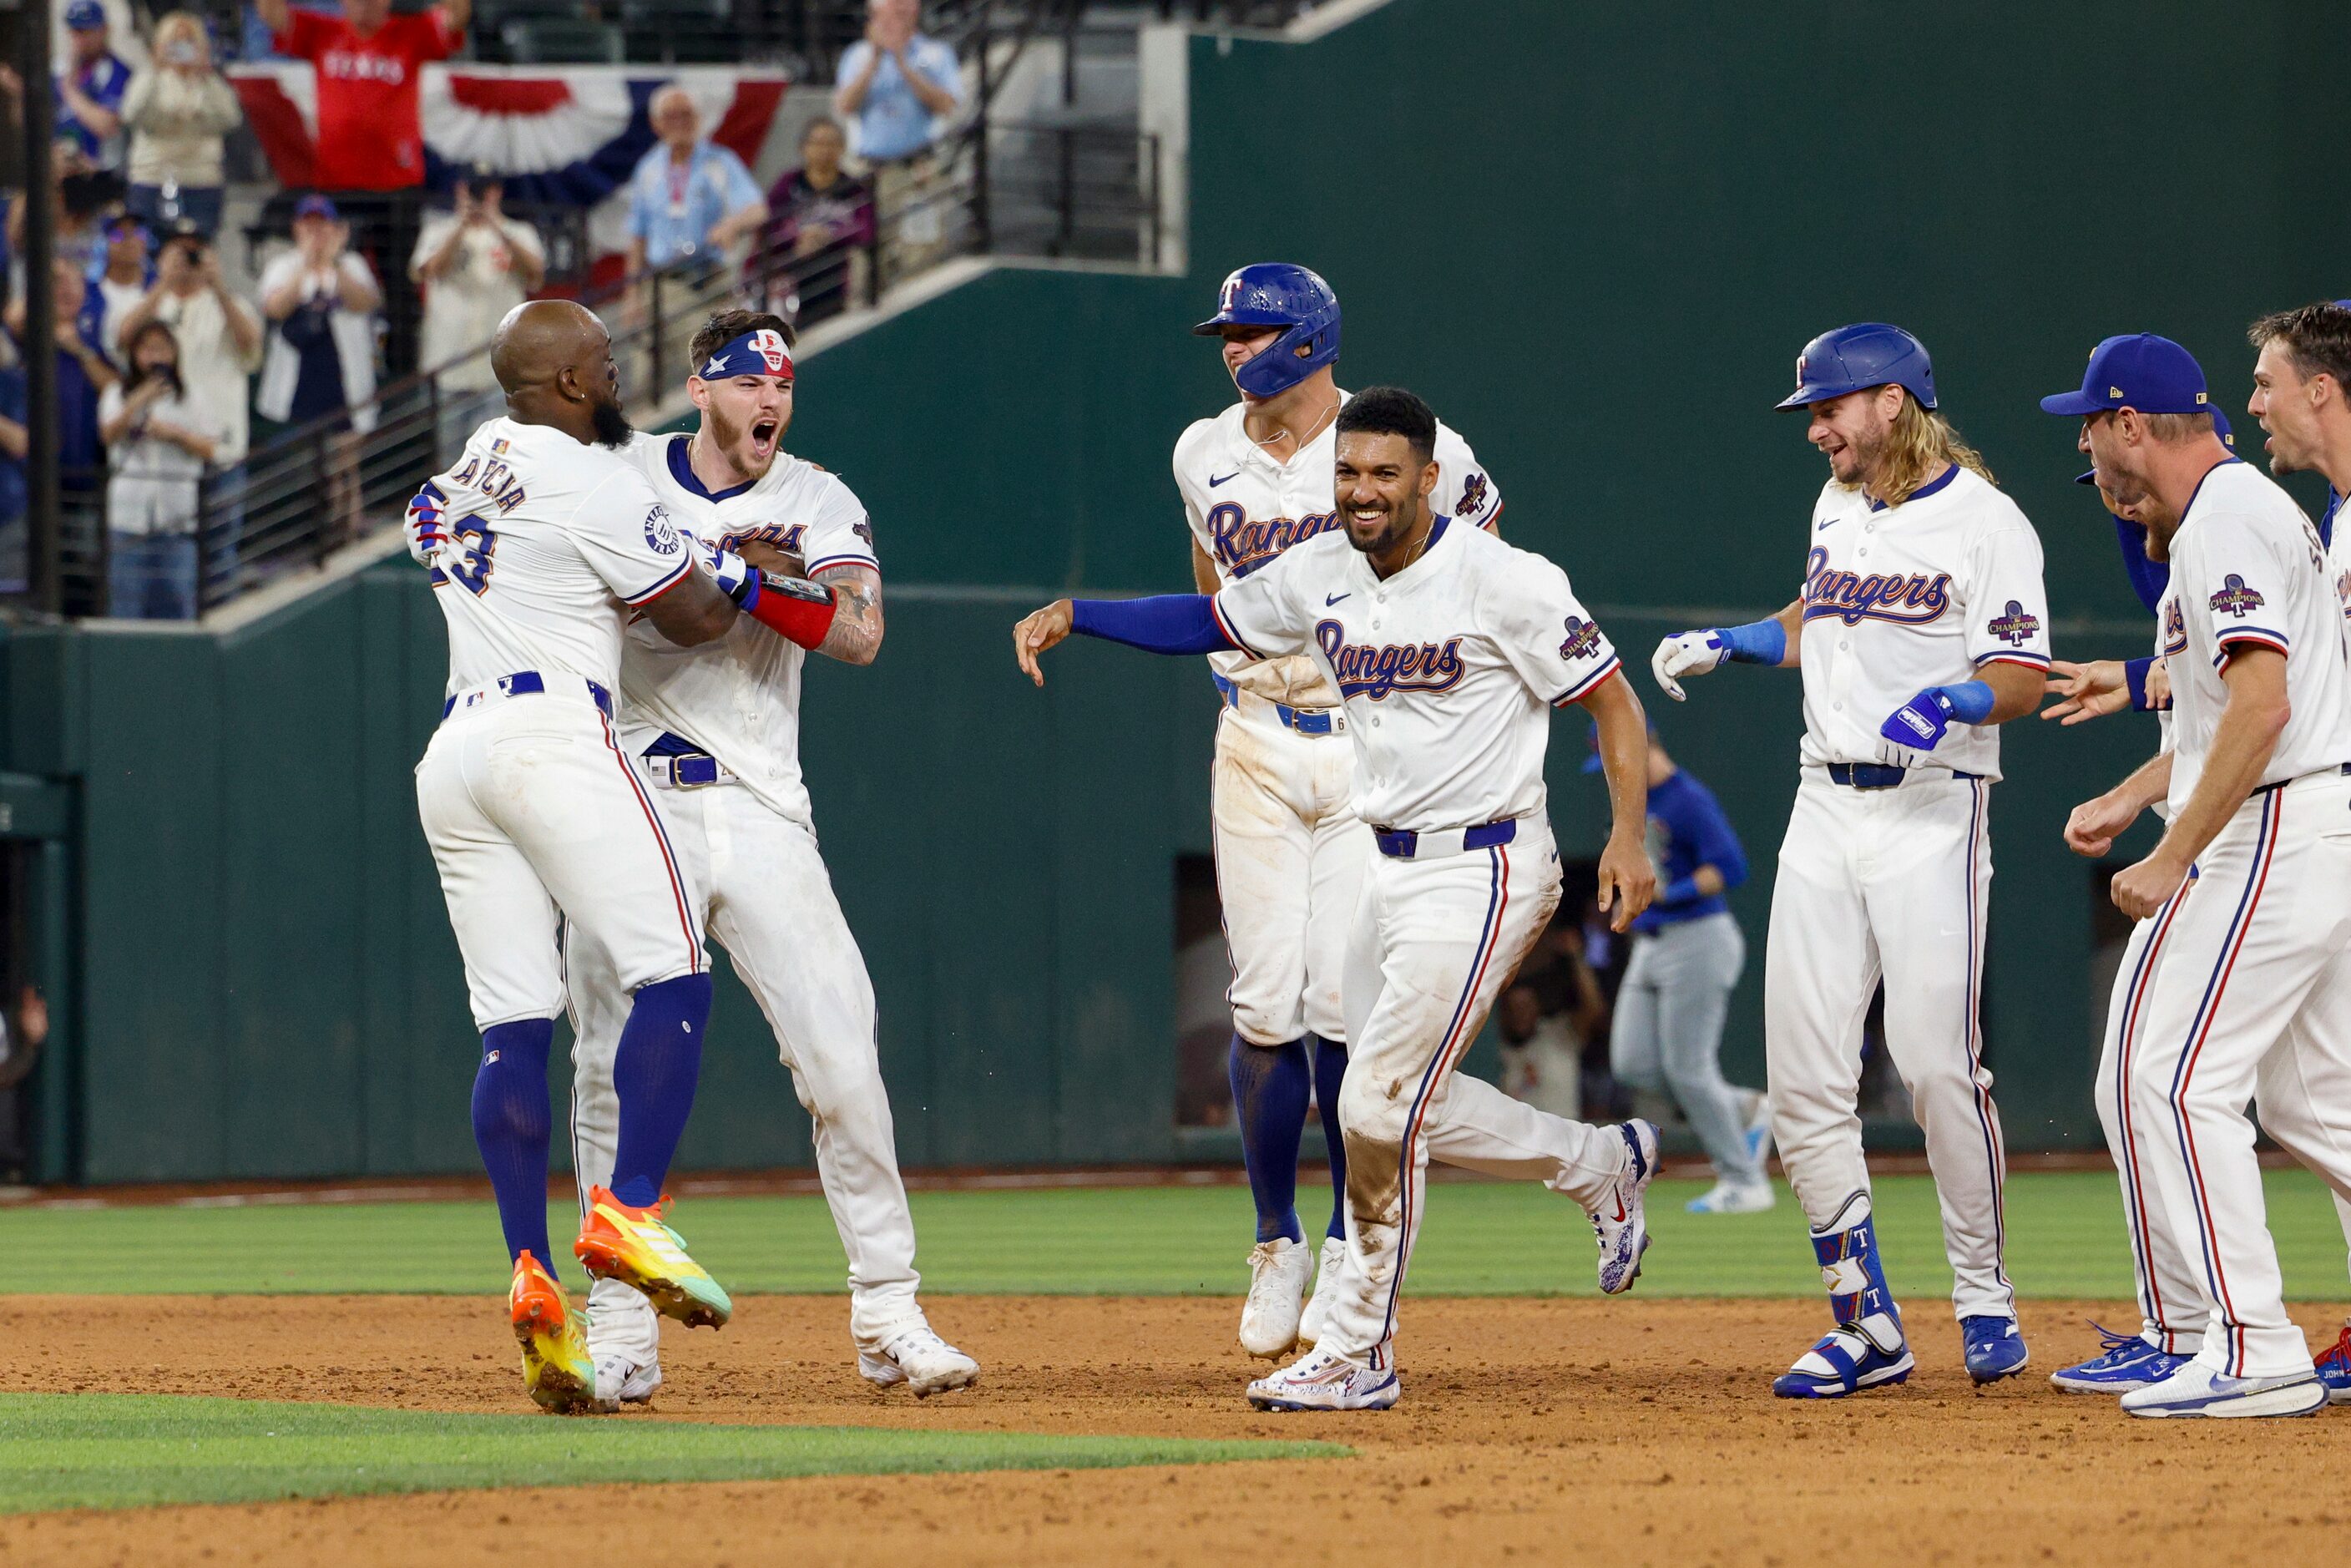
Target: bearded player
1922 626
1291 851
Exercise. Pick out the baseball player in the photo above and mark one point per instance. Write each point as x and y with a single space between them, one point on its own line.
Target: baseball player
1290 851
715 731
541 541
1667 1032
1921 627
2244 985
1447 648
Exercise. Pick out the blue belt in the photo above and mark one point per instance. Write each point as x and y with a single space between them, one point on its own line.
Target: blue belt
527 683
682 764
1875 775
1403 844
1304 720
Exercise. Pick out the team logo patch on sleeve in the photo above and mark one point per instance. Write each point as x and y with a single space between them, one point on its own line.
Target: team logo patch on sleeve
661 534
1473 497
2235 598
2015 627
1582 638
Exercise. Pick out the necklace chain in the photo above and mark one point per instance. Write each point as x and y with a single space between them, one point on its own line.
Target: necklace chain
1321 420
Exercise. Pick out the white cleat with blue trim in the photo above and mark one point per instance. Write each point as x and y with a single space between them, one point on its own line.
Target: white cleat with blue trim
1620 1221
2196 1390
1325 1382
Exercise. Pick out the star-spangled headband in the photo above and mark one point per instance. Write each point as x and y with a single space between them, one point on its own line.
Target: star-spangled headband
759 352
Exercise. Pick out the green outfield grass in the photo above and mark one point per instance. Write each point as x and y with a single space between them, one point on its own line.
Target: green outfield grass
124 1450
2066 1240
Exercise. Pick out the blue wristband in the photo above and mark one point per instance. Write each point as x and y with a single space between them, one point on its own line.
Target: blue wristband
1970 702
2135 673
1756 642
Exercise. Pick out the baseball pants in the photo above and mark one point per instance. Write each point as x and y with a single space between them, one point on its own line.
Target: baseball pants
1291 862
1892 884
1667 1033
771 906
535 818
2248 994
1434 941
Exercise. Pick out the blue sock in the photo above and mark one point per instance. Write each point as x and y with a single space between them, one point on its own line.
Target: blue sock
1329 1068
654 1070
510 1129
1270 1083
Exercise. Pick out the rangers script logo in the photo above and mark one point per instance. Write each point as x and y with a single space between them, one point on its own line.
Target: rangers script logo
2015 628
1582 638
2235 598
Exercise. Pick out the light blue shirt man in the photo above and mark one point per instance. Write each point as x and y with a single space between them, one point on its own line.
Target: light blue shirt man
892 121
673 206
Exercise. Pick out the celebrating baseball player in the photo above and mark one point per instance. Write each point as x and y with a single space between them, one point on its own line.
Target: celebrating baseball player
1290 850
1446 647
2150 385
542 539
1920 629
714 729
1666 1033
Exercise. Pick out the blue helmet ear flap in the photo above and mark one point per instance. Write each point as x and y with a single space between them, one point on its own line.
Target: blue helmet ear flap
1278 294
1293 357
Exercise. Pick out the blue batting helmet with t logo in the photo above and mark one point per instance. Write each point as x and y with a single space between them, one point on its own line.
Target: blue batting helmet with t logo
1278 294
1854 359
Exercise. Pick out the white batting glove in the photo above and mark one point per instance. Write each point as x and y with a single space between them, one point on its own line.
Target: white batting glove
1686 654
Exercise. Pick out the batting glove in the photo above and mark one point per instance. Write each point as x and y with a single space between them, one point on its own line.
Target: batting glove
1686 654
1921 723
738 578
424 523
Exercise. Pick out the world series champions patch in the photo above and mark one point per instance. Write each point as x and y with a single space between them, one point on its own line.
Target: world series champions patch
1582 638
2015 626
2235 598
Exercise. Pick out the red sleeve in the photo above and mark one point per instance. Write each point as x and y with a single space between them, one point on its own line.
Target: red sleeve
304 36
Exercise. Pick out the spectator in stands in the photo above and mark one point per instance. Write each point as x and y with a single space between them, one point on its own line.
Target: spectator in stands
690 201
83 373
897 84
321 358
90 89
474 264
179 110
128 275
14 443
158 440
220 336
81 195
371 138
817 207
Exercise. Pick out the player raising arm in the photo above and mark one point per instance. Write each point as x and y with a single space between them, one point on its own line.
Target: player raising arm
1448 647
1921 627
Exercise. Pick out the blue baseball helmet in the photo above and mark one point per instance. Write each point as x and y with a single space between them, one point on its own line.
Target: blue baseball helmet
1278 294
1854 359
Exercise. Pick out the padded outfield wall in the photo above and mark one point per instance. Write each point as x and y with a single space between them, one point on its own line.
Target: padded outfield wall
1593 237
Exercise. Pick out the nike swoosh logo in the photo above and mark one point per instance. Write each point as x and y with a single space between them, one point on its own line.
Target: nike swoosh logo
1336 598
1824 527
1620 1208
1234 474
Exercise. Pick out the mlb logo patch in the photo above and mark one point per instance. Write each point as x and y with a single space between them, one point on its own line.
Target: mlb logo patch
2235 598
498 447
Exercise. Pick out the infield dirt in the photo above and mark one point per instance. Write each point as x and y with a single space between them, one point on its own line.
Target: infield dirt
1628 1431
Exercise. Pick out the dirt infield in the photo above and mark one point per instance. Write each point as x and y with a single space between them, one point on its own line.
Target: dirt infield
1543 1430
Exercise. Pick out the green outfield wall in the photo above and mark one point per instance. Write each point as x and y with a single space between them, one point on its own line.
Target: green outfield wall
1595 238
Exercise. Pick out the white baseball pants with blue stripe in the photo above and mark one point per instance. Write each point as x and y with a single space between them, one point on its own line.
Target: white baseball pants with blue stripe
2250 996
1891 885
1433 943
531 812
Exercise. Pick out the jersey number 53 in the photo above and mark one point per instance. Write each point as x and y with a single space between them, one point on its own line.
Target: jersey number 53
467 558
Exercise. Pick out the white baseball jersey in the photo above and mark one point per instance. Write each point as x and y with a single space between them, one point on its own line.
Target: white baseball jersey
1903 598
2247 568
549 540
1246 508
2338 559
738 698
1449 669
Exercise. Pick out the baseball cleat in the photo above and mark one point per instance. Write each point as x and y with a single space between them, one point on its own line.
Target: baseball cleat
2125 1362
555 1370
636 1248
624 1380
1733 1198
1994 1346
2196 1390
1322 1381
1326 1290
1845 1362
1277 1272
2334 1368
1620 1222
921 1360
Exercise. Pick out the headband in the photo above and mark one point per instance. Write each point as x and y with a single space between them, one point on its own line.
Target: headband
760 352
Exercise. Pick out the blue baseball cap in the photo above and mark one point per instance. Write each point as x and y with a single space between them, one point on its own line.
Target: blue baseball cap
315 206
2220 428
2140 370
85 15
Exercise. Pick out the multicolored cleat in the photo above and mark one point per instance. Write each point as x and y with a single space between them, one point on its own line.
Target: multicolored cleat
2334 1368
556 1368
636 1248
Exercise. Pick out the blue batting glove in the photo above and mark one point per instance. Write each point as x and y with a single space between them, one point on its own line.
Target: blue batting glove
1922 722
738 578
